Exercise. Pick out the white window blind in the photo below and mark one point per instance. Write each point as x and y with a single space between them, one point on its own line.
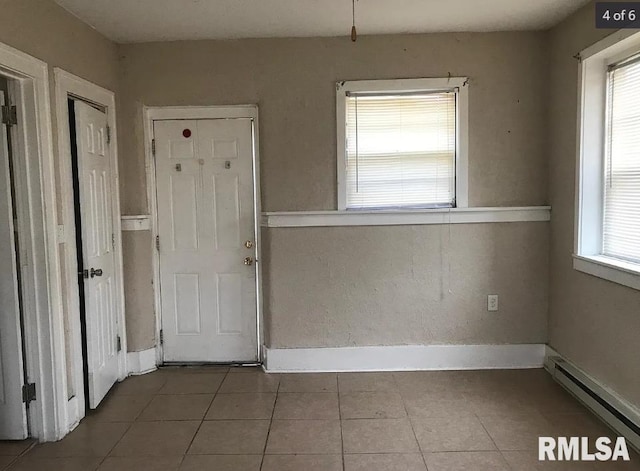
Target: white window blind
621 234
400 150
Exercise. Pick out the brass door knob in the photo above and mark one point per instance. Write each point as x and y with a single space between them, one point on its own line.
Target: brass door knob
248 261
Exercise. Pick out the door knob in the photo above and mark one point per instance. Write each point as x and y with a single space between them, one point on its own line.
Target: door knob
248 261
95 272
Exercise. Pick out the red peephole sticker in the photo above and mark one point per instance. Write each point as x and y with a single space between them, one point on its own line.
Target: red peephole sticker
186 133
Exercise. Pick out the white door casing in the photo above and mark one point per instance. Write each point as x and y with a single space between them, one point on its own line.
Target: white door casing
13 416
94 174
206 227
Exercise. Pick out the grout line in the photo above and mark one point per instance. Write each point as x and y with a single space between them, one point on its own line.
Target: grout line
273 411
340 422
202 421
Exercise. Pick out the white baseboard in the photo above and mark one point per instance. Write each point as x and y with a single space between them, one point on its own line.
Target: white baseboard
404 358
141 362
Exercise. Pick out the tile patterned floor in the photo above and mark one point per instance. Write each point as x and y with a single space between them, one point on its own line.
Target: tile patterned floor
241 419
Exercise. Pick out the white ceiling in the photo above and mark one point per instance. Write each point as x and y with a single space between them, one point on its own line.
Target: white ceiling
165 20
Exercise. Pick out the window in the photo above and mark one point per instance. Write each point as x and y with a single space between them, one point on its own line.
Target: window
402 144
621 229
607 241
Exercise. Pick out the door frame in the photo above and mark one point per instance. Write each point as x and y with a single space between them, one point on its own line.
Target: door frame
68 86
168 113
36 201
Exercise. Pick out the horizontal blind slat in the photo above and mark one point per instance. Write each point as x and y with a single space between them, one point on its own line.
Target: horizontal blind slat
400 150
621 234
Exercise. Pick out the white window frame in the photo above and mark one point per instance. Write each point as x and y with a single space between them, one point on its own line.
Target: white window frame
592 112
408 85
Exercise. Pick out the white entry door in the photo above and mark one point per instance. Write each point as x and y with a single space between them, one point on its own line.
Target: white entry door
13 416
206 226
94 175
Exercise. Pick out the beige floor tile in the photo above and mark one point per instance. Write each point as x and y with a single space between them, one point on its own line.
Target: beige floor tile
304 437
88 439
517 432
445 434
433 404
307 406
371 405
250 382
525 461
141 463
366 382
205 369
503 402
177 407
309 382
528 461
246 369
157 438
84 463
378 436
385 462
242 406
466 461
582 424
143 384
230 437
120 408
193 383
431 381
5 460
14 447
221 463
302 463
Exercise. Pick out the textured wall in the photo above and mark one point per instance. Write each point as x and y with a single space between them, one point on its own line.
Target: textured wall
293 82
395 285
138 290
359 302
594 323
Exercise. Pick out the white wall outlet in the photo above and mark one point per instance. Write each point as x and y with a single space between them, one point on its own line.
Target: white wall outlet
492 303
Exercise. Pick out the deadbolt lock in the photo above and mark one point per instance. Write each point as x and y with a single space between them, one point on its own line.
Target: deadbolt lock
248 261
248 244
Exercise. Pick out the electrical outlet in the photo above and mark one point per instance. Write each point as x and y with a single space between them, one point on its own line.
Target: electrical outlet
492 303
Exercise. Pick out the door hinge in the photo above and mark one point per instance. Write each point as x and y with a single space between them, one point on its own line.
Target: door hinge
118 344
153 147
28 393
161 337
158 243
108 134
9 115
113 241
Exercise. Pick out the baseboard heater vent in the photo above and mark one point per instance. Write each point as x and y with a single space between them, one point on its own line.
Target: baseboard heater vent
621 417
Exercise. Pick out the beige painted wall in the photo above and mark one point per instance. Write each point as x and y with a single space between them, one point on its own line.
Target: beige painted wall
293 82
374 285
594 323
412 285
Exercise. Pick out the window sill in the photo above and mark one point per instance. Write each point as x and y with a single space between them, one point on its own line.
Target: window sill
611 269
406 218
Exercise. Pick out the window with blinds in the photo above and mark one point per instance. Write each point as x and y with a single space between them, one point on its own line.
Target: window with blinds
400 150
621 228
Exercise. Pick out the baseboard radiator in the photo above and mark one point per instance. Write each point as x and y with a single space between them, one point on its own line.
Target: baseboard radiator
616 413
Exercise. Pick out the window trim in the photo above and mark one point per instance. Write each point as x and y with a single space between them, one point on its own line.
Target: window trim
591 137
407 85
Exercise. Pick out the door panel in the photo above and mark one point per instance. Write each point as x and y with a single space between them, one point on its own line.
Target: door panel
13 417
204 172
94 174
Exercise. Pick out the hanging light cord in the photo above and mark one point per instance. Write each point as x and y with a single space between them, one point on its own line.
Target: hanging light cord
354 34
